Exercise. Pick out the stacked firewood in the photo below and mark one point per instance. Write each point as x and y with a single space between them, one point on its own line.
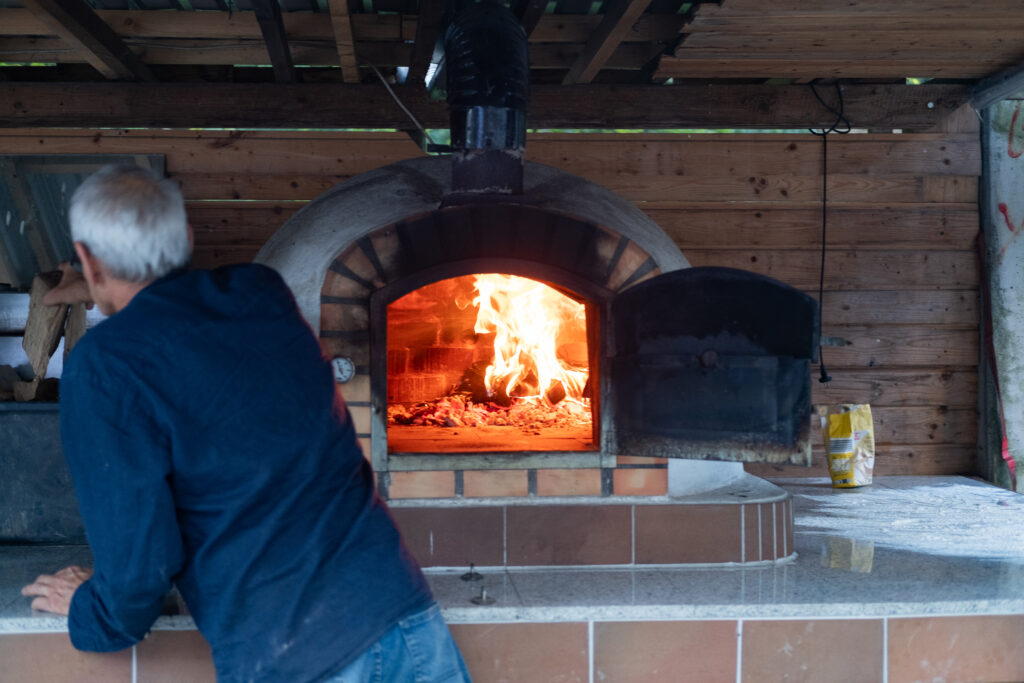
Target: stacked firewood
43 330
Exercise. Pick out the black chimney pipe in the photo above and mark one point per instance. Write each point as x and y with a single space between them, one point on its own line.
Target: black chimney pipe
488 76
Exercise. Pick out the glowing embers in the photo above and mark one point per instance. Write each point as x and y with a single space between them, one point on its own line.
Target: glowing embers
488 363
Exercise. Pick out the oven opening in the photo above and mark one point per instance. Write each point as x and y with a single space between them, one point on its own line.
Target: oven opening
490 362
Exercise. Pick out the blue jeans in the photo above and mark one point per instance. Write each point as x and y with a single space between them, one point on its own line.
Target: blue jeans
418 649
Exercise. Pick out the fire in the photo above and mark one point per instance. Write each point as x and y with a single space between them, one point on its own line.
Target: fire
532 323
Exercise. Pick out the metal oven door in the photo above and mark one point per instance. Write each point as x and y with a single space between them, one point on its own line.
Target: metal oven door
711 363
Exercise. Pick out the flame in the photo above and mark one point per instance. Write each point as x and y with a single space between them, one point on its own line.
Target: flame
529 319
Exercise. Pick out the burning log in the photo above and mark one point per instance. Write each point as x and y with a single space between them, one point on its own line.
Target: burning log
519 360
555 393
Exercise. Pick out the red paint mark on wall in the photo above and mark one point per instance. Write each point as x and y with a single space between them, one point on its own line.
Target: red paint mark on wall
1003 209
1013 149
1016 232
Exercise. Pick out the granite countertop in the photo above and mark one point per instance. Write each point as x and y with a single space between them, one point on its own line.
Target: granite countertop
905 546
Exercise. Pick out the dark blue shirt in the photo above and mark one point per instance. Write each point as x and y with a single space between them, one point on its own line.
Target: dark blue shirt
210 449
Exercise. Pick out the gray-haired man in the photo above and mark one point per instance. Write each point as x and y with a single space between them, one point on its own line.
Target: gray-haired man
210 450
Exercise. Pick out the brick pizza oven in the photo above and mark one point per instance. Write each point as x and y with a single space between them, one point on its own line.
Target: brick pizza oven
660 367
688 371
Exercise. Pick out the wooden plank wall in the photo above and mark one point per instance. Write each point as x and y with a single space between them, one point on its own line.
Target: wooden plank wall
901 278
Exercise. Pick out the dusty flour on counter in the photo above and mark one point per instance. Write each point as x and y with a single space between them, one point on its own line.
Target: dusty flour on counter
956 518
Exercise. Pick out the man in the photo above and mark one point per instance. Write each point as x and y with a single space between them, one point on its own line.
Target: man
210 450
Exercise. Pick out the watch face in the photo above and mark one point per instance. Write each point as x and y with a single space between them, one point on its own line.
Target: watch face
344 369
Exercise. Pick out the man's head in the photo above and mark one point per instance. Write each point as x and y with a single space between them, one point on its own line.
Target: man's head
129 228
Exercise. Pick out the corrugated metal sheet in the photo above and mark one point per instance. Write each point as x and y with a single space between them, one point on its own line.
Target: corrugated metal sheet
34 195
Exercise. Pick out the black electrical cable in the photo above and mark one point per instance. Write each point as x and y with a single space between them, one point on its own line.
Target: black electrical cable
842 127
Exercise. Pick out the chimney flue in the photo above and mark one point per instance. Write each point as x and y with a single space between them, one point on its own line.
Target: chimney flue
487 65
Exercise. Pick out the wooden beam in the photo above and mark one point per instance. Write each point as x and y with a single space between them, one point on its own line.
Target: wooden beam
211 52
77 24
549 28
7 274
969 65
997 87
268 15
833 9
344 39
618 21
262 105
428 28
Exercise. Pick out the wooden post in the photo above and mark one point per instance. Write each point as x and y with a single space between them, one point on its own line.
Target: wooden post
342 23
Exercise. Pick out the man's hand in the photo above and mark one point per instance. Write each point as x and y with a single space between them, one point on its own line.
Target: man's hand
53 592
72 288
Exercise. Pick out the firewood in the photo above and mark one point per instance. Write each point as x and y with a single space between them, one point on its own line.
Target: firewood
26 391
74 328
555 393
44 325
37 390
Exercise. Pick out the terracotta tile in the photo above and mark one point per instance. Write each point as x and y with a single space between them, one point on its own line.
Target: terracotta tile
494 483
358 351
640 460
336 284
632 258
336 316
422 485
569 482
360 418
665 651
768 531
388 247
685 534
356 389
524 653
175 657
357 261
569 534
969 648
781 548
790 542
752 530
453 537
642 482
50 658
837 651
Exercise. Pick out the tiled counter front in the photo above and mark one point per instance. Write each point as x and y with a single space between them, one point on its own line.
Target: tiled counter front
965 648
644 533
875 593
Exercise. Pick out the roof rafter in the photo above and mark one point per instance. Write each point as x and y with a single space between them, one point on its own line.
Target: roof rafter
997 87
78 25
268 15
530 14
618 20
428 29
345 40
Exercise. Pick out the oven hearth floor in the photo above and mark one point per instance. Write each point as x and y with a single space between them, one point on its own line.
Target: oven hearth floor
906 546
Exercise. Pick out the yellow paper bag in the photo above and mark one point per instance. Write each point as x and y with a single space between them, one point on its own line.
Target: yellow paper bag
850 443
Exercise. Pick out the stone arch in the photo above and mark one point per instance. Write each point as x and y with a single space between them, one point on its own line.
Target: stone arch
411 192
